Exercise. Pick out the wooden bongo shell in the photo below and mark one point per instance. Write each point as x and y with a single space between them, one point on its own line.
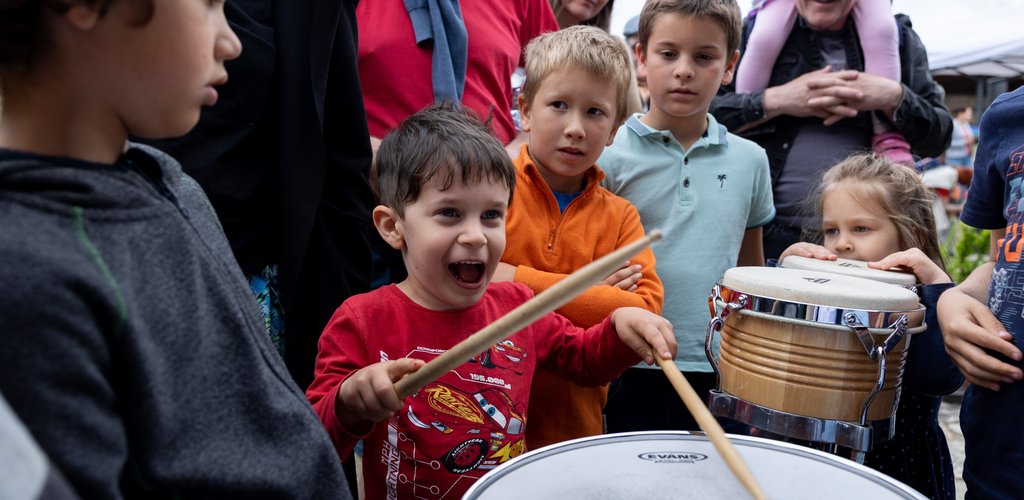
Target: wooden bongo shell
806 369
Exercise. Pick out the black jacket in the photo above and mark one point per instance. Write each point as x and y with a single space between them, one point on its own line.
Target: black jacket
922 117
284 157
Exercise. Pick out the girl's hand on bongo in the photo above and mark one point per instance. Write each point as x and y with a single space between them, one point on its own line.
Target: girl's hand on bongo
914 260
625 278
809 250
368 395
643 330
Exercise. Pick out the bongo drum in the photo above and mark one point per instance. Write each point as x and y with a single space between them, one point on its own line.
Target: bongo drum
679 465
810 355
848 267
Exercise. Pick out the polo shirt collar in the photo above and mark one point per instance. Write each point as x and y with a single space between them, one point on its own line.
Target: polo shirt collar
715 134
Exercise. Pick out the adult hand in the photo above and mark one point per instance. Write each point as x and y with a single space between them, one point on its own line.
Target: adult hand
845 93
793 98
969 330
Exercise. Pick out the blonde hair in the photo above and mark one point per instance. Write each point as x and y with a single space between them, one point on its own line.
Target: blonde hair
897 190
724 12
580 47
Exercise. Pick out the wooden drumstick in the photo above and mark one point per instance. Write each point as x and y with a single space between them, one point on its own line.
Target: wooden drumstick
527 312
709 425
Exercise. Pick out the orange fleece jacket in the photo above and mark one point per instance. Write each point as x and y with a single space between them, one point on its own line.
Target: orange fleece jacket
546 245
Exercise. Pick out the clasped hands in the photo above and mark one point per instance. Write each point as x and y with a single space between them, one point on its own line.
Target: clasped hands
833 96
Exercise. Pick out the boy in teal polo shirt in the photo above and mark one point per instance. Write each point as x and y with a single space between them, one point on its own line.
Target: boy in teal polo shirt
709 190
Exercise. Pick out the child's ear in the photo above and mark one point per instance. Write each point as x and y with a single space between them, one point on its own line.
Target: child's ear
387 223
615 129
524 113
730 68
641 57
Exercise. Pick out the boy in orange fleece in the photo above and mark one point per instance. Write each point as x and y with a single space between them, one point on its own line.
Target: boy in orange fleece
573 101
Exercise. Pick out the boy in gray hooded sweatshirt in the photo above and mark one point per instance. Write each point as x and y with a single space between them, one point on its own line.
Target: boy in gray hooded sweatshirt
132 347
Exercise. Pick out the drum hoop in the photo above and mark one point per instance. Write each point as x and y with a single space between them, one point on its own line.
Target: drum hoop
852 435
842 464
828 326
809 312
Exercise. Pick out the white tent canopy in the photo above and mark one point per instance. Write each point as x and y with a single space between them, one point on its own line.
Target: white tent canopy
1000 60
977 38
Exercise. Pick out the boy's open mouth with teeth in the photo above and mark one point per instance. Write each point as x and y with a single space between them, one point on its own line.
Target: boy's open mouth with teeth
470 272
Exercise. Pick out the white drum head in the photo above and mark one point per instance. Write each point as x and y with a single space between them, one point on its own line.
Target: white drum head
823 289
847 267
660 465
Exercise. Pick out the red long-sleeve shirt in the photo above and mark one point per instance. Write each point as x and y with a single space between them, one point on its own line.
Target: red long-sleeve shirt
473 418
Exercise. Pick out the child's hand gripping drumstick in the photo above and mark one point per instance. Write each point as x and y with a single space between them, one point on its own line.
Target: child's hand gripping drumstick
517 319
710 426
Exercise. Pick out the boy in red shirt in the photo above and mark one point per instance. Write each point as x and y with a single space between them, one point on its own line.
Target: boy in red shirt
444 207
574 99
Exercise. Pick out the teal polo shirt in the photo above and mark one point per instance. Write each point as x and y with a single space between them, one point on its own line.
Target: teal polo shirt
704 199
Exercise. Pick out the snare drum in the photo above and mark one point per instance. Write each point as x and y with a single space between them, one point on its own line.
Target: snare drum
679 465
812 344
848 267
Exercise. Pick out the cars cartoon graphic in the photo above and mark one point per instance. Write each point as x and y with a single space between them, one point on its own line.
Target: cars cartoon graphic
505 355
479 430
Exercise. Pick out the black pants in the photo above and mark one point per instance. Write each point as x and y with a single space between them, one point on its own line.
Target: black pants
778 237
644 400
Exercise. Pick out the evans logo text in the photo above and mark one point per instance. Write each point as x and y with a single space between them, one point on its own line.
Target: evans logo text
672 457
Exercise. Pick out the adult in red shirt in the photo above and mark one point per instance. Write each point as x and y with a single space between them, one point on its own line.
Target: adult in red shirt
395 73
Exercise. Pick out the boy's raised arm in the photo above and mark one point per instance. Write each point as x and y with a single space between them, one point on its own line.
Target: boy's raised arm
594 356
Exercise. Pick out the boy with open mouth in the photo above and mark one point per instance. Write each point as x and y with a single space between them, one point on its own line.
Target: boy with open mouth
445 184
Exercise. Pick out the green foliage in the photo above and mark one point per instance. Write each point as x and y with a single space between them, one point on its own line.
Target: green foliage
966 249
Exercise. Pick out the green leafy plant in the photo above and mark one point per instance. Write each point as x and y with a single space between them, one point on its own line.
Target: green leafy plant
966 249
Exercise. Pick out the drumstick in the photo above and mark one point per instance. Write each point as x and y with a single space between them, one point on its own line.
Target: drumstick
527 312
709 425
